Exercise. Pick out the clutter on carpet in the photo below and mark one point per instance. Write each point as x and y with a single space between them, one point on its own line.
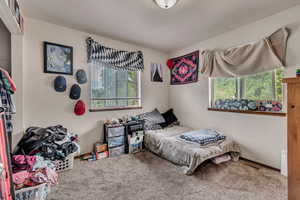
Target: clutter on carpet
52 143
185 69
221 159
38 158
100 152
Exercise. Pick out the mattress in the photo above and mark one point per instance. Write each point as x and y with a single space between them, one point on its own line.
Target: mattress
167 144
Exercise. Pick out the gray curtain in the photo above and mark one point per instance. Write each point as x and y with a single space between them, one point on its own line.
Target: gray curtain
264 55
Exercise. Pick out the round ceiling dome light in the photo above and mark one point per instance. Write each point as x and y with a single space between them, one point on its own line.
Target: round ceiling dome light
166 4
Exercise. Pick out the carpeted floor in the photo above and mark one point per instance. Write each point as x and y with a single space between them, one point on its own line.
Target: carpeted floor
145 176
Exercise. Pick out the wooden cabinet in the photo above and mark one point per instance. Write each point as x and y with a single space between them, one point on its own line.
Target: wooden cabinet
293 109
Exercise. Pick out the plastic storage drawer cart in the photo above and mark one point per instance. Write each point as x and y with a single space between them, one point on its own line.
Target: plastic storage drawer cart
115 139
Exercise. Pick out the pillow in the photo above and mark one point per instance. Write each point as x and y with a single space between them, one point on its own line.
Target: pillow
152 119
169 117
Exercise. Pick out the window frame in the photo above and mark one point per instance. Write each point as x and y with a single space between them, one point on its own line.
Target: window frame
139 96
240 89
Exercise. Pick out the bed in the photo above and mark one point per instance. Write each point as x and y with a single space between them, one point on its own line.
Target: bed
167 144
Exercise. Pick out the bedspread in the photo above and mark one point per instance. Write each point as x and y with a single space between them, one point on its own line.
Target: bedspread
167 144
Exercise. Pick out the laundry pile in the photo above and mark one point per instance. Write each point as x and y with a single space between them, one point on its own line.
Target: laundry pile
205 137
7 89
52 143
29 171
35 157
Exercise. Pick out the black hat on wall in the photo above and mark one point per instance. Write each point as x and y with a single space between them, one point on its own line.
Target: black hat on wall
60 84
81 76
75 92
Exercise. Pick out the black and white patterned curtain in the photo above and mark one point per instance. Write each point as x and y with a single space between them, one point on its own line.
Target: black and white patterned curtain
124 60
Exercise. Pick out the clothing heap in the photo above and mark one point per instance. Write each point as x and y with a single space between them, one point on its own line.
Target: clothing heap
35 158
7 89
29 171
205 137
52 143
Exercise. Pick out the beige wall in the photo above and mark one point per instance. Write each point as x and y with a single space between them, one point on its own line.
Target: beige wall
44 107
262 138
5 57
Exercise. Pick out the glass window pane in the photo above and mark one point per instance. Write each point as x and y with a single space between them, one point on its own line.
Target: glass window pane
225 88
113 85
259 87
278 85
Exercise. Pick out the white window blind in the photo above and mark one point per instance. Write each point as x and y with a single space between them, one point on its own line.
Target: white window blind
111 88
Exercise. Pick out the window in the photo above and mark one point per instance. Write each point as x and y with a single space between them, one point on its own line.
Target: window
259 87
114 89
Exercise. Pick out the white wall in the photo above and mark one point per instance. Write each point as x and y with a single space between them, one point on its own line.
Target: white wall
5 57
261 137
44 107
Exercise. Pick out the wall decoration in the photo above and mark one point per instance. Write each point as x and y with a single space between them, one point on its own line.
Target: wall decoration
170 64
75 92
185 69
118 59
58 59
79 108
81 76
156 72
60 84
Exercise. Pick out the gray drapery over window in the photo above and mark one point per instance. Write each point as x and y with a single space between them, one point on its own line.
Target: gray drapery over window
124 60
264 55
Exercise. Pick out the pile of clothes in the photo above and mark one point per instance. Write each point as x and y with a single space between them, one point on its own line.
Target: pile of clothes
29 171
7 89
205 137
36 156
52 143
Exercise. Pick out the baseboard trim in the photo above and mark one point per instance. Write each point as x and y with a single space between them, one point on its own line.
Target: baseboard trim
259 164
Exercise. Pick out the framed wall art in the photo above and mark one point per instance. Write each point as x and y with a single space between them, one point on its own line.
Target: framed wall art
58 59
156 72
184 69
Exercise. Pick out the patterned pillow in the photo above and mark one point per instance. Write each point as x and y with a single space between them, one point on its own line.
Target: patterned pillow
152 119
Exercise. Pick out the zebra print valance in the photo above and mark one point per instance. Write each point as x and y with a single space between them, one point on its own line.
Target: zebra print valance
124 60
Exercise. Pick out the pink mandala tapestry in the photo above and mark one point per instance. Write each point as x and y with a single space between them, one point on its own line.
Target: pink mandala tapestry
185 69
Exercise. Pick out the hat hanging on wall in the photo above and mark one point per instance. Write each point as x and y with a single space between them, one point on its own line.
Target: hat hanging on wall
79 108
75 92
60 84
170 64
81 76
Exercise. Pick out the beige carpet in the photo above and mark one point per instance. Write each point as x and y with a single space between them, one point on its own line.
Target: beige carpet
145 176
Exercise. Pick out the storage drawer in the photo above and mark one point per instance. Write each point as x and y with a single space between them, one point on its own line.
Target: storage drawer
116 131
116 141
117 151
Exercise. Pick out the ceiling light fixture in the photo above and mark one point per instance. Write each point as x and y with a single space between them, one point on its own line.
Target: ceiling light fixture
165 4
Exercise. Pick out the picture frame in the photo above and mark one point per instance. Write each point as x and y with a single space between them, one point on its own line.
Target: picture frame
156 72
58 59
